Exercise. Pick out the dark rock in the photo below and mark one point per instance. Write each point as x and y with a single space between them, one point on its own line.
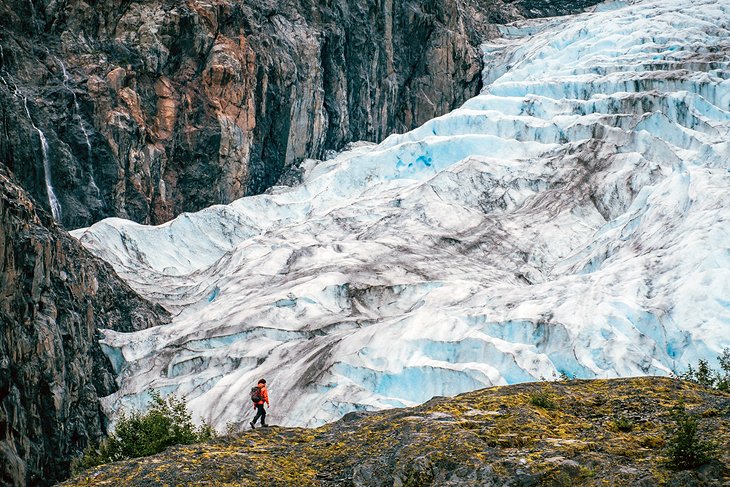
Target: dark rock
355 416
191 104
154 108
569 466
54 296
711 471
551 8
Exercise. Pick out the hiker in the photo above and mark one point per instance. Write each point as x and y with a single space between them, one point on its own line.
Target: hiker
259 396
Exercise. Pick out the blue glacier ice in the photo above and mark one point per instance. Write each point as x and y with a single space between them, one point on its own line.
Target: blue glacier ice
572 218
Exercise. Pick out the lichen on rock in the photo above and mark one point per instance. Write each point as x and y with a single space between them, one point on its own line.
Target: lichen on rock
492 436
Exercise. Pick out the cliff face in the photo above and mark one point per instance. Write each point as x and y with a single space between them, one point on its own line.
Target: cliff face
549 8
153 108
53 298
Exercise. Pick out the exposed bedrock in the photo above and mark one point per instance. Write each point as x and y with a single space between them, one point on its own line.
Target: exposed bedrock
150 108
549 8
53 297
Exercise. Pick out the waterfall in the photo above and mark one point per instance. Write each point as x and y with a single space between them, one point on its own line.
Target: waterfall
92 181
52 199
77 114
33 17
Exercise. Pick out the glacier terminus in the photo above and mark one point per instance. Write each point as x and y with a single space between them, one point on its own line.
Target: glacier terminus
572 219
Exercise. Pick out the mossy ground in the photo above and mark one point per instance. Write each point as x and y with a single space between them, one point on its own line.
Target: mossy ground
485 437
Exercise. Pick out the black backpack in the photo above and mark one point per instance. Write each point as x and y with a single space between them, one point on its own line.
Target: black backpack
256 394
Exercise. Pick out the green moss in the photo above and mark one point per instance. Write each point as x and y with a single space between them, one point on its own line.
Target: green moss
623 424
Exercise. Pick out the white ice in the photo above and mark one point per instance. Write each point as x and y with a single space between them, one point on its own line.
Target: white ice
571 218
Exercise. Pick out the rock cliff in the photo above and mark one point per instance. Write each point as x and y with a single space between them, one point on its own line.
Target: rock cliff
54 296
548 8
148 109
188 104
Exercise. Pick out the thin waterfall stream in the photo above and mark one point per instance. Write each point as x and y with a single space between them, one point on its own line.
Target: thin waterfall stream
77 114
52 199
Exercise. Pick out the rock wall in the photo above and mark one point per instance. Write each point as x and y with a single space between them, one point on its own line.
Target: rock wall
154 108
54 296
549 8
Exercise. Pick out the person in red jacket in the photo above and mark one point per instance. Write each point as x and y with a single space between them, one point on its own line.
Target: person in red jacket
259 405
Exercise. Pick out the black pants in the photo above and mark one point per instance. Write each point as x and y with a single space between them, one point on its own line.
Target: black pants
260 413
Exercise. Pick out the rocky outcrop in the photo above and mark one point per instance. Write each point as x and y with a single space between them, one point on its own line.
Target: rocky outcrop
570 433
154 108
54 297
531 9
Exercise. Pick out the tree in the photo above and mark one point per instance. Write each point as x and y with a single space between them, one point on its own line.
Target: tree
685 448
708 377
167 422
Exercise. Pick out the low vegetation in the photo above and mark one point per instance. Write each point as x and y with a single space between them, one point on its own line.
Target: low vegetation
137 434
542 399
623 424
687 448
567 432
650 430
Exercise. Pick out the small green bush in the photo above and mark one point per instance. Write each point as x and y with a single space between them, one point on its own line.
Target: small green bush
624 424
138 434
685 447
542 400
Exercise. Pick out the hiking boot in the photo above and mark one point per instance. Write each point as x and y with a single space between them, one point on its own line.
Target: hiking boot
265 425
253 426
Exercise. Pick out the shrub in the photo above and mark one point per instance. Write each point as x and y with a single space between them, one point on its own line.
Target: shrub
542 400
704 375
138 434
723 380
685 448
622 423
232 428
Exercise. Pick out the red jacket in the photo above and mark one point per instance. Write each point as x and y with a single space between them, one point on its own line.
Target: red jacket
264 395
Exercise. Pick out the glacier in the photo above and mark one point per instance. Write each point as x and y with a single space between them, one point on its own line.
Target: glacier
571 219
